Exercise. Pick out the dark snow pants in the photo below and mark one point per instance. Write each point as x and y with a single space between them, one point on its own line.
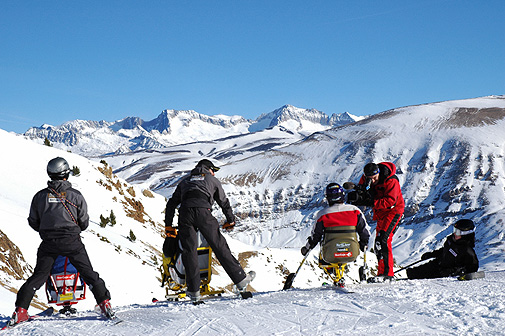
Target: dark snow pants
428 270
386 228
49 250
192 220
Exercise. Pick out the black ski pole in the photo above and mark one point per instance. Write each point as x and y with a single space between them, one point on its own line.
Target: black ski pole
291 276
408 266
363 269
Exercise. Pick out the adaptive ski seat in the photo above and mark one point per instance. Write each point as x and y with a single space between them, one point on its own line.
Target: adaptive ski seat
64 286
173 273
339 247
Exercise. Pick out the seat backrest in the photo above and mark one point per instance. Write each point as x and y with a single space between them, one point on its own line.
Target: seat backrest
64 284
340 245
177 270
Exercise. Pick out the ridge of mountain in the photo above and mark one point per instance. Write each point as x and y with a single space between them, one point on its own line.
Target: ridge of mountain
449 157
173 127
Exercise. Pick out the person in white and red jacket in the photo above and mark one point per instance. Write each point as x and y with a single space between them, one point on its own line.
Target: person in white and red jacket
337 214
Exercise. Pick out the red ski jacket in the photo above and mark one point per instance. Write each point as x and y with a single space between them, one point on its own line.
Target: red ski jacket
387 195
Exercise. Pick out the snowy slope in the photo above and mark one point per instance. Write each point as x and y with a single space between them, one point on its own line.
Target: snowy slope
450 165
130 269
162 167
419 307
450 157
450 160
112 254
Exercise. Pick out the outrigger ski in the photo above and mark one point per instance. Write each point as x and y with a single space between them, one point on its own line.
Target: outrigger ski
48 312
114 320
472 276
242 295
181 297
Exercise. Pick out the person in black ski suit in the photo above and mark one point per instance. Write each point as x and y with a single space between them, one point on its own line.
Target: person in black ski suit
195 194
59 214
456 257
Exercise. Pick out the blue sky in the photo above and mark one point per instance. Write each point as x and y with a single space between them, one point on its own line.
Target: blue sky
106 60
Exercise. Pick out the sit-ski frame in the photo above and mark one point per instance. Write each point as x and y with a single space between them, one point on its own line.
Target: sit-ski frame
204 282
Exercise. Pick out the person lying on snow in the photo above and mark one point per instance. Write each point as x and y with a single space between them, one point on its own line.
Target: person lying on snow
456 257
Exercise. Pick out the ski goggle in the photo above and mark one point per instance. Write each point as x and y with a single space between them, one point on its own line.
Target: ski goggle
372 173
458 232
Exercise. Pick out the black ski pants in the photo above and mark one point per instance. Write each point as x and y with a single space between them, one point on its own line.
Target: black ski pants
192 220
49 250
429 270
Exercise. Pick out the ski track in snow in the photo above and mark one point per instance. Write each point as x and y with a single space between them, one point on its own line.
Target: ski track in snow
415 307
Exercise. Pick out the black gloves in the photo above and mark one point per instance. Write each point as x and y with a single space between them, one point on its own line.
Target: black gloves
304 251
362 246
427 255
380 243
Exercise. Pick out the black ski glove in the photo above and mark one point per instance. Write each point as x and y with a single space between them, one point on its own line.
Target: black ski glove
362 246
304 251
380 242
427 255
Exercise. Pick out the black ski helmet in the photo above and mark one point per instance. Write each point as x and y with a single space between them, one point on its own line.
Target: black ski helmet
465 225
371 169
335 193
465 229
58 169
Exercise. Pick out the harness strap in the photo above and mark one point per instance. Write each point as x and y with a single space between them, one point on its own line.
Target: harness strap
64 201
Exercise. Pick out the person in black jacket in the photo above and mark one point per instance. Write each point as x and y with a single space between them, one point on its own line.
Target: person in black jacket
195 194
59 213
456 257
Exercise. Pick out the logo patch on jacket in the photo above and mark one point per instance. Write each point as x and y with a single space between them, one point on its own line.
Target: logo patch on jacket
453 252
53 199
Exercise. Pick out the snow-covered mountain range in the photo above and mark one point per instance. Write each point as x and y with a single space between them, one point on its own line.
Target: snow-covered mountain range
451 165
172 127
450 159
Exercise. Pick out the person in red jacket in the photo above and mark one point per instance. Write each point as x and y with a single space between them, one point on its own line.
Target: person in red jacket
388 207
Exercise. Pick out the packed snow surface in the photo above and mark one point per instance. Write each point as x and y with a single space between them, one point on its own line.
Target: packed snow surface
411 307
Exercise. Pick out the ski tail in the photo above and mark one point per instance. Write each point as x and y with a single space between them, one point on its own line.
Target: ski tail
289 281
10 324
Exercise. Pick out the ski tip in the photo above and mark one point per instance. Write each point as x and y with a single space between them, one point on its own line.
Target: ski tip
246 295
114 321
